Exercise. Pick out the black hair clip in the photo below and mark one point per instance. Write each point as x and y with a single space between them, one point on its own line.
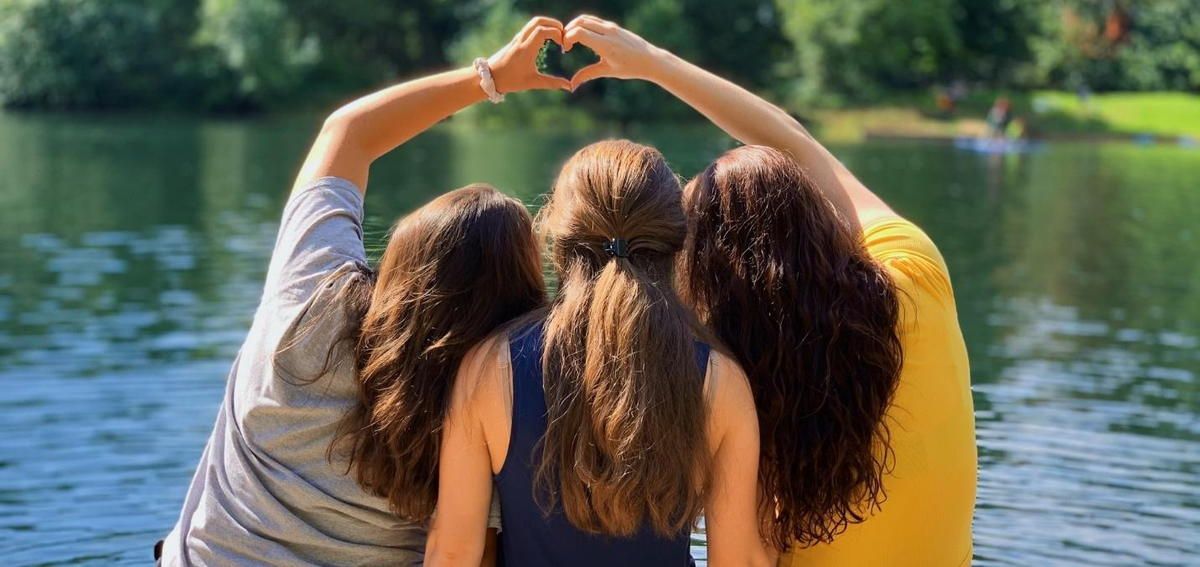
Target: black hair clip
617 247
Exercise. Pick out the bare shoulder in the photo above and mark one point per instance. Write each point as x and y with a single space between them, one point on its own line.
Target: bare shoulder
870 215
481 372
476 385
729 395
483 394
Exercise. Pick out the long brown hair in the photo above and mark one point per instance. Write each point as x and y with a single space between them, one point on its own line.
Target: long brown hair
453 271
791 291
625 445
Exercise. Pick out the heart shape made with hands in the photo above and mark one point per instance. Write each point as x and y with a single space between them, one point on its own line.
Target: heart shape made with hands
553 61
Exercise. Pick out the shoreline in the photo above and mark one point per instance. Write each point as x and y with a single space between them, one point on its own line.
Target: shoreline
1140 118
1071 137
1150 118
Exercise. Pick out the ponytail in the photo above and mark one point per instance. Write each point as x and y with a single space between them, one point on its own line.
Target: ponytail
625 443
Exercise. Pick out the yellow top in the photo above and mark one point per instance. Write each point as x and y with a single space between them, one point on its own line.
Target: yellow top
926 520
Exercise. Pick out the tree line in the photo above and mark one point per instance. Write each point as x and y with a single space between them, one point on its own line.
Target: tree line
252 55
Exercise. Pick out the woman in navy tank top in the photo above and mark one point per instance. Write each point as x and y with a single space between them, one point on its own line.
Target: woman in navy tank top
604 422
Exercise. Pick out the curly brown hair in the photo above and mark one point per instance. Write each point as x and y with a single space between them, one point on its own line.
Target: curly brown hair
790 290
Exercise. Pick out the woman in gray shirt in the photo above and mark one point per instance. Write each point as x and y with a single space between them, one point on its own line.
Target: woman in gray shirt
326 445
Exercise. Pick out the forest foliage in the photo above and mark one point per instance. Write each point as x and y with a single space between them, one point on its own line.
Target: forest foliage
249 55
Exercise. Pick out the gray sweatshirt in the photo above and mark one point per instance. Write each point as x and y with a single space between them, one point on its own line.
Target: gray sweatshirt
264 492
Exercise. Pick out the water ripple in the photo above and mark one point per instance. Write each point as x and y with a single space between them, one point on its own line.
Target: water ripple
117 327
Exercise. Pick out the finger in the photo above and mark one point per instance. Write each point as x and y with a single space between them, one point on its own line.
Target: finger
575 21
581 35
593 71
601 21
590 26
545 81
540 35
537 22
595 24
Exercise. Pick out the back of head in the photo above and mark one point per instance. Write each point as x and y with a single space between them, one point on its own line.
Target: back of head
453 271
791 291
625 442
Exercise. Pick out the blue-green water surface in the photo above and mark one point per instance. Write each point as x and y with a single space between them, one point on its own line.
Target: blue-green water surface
132 251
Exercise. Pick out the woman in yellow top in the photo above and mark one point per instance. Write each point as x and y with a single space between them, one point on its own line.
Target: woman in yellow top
843 317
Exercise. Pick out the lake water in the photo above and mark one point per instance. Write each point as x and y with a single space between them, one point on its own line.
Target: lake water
132 252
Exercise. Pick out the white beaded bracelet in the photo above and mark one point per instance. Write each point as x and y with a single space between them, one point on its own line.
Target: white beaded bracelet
486 82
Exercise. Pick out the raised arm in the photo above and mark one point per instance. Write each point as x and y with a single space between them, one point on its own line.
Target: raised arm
360 132
740 113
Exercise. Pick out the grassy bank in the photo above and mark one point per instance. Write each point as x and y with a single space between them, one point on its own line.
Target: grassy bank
1051 114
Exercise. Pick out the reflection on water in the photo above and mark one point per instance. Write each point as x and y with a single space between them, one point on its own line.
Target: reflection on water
132 252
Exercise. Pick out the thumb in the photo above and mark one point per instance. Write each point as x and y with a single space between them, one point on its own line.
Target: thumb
593 71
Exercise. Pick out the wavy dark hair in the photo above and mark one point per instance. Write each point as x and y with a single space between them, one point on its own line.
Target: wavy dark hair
790 290
625 444
453 272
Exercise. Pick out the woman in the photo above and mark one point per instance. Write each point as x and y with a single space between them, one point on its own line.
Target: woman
309 419
843 316
604 422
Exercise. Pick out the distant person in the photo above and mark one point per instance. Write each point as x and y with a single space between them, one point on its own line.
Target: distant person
842 315
607 422
998 117
948 98
945 103
325 448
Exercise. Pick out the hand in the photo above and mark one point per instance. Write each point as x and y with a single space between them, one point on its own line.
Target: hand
514 67
623 54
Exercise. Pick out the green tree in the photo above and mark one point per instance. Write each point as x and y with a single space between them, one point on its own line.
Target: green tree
261 48
997 39
87 54
858 50
366 42
1119 45
1164 47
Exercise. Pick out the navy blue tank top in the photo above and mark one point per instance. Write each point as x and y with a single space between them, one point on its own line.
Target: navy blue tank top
529 537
